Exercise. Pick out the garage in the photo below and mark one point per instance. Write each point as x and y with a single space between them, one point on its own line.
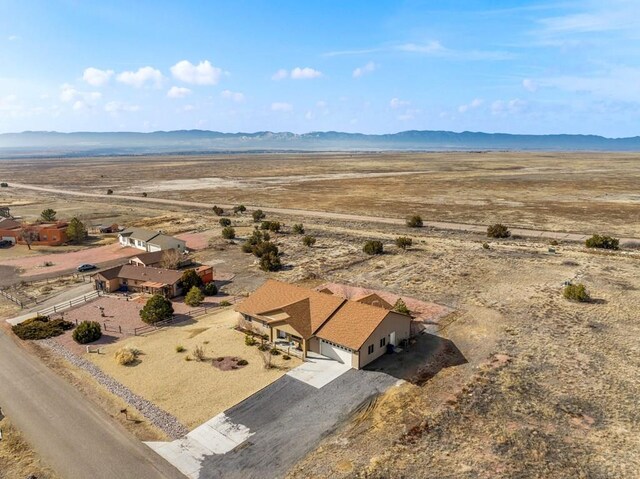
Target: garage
336 352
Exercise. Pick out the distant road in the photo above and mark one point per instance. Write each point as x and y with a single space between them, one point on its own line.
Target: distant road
442 225
75 437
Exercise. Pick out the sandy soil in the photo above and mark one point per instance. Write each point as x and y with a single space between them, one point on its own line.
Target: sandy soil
193 391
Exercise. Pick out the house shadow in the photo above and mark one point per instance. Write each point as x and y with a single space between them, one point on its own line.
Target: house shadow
424 357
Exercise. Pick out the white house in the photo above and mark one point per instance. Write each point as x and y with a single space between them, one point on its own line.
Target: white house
150 241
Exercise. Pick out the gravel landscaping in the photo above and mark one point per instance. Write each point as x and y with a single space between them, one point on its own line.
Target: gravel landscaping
159 418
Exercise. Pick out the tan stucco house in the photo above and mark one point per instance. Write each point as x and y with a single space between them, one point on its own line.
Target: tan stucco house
352 332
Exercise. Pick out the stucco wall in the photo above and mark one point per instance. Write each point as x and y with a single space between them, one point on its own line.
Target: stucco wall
399 323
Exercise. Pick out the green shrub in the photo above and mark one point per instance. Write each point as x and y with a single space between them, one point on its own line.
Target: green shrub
76 231
250 340
190 279
194 297
298 229
158 308
228 233
286 357
273 226
485 245
144 195
210 289
414 221
48 215
372 247
225 222
404 242
576 292
498 231
4 185
264 347
258 215
87 332
41 327
401 307
242 362
264 248
270 262
180 349
217 210
109 191
225 303
239 209
274 352
308 241
603 242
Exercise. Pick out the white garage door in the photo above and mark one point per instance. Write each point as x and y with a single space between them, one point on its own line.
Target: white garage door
335 352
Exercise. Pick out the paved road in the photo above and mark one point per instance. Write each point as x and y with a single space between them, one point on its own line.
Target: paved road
531 233
74 437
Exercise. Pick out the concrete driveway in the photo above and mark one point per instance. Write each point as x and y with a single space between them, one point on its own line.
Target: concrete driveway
266 434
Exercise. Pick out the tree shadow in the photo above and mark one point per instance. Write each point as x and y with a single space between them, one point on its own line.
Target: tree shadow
426 356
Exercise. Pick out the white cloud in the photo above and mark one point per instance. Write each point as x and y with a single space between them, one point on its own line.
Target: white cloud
13 38
97 77
500 107
429 47
529 84
178 92
398 103
280 74
618 83
475 103
204 73
235 96
321 104
82 99
188 108
309 115
118 107
361 71
141 77
305 73
281 106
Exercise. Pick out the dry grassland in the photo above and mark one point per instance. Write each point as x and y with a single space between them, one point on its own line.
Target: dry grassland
17 459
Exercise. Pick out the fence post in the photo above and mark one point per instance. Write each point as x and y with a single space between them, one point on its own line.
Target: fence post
120 328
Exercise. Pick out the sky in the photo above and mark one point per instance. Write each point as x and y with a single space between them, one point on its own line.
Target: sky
535 67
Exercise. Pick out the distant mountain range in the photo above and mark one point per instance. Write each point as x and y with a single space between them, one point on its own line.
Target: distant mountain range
45 143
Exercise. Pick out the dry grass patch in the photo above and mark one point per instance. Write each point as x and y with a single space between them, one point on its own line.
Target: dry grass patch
17 459
193 391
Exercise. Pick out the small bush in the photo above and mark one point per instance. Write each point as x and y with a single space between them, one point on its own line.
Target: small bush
109 191
576 292
239 209
308 241
404 242
286 357
258 215
250 340
274 352
157 308
41 327
220 359
603 242
414 221
298 229
194 297
264 347
270 262
225 222
187 358
210 289
485 245
554 242
126 356
225 303
273 226
144 195
401 307
4 185
498 231
373 247
87 332
217 210
180 349
242 362
198 353
228 233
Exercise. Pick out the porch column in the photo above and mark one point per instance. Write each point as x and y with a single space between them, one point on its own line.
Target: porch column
304 348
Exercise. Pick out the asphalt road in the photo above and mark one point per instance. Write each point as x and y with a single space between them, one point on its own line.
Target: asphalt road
76 438
288 419
524 232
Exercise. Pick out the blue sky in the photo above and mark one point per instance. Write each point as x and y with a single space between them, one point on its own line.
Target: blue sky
367 66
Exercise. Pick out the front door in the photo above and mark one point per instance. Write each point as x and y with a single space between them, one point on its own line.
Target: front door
392 338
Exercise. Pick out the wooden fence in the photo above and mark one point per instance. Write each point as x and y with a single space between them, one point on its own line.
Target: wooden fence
69 304
29 301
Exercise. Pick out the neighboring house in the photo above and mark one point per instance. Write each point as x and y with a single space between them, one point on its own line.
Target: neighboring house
150 241
114 228
144 279
43 234
351 332
156 258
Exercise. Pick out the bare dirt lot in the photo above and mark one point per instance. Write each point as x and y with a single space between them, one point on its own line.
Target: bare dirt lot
548 388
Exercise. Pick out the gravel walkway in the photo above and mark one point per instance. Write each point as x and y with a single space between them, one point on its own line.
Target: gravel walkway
161 419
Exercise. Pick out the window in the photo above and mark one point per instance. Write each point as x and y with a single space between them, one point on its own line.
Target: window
370 350
383 341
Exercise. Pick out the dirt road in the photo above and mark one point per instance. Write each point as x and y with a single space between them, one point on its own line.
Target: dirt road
529 233
77 439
